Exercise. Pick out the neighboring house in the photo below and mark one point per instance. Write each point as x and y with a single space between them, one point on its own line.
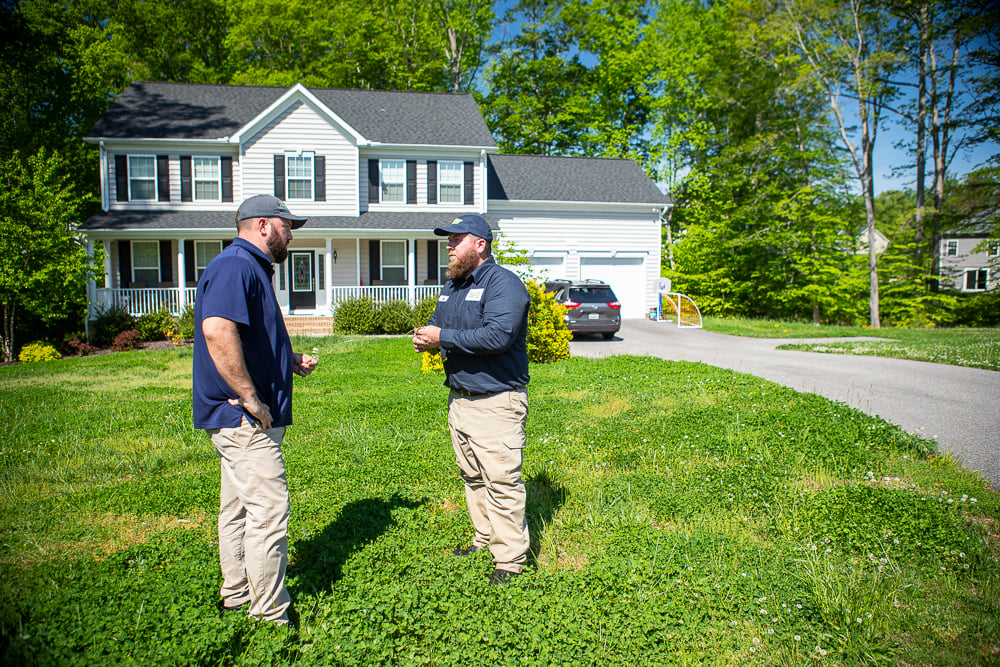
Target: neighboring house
375 171
969 261
881 242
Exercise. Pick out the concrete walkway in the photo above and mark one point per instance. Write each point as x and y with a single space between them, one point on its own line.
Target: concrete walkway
958 407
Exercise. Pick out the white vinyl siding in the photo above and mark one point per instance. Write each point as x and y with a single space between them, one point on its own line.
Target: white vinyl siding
300 130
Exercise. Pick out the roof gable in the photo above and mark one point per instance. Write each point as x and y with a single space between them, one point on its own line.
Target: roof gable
549 178
152 110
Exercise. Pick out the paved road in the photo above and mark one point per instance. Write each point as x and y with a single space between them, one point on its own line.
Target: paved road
958 407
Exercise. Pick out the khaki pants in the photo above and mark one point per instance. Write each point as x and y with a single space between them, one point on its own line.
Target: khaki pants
487 433
253 519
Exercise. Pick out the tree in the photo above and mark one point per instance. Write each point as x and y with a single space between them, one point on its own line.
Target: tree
43 264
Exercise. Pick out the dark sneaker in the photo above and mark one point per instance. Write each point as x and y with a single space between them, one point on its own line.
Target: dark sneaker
500 577
467 551
221 605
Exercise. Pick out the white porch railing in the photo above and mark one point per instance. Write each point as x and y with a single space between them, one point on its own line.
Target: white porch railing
138 301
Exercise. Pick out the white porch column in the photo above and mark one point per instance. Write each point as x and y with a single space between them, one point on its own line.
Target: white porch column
357 262
91 292
181 277
107 264
328 263
411 271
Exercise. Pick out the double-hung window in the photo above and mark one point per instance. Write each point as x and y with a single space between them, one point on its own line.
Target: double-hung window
142 177
300 176
146 263
207 179
394 262
976 279
442 262
204 252
950 248
392 176
450 181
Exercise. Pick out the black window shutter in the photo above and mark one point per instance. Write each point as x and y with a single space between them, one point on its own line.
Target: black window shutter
372 182
279 176
319 162
121 178
125 263
432 260
374 260
226 165
189 262
186 178
470 185
163 177
166 265
432 183
411 181
226 243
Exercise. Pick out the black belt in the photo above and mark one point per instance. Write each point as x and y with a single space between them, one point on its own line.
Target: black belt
470 394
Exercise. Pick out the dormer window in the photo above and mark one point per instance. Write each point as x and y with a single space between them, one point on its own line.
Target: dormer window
392 176
300 176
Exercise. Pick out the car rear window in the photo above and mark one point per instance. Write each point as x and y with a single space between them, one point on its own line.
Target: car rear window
591 295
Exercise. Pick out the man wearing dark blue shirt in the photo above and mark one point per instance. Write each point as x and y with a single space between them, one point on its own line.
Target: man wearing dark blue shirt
481 327
242 387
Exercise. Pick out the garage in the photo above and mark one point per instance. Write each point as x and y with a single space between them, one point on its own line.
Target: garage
627 277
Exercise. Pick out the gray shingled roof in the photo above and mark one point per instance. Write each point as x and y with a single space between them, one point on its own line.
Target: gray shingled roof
152 110
547 178
181 220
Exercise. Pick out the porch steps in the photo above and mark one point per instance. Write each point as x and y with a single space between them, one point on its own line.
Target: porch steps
308 325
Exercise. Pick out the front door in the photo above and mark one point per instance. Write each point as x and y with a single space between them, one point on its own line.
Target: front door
303 293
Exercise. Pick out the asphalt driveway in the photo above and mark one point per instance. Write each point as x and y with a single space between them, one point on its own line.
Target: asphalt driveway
958 407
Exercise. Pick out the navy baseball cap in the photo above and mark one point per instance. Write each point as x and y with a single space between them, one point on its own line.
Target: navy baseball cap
467 224
268 206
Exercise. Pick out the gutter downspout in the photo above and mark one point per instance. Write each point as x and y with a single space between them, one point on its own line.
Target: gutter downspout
483 192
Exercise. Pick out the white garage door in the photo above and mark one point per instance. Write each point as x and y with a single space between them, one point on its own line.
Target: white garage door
627 277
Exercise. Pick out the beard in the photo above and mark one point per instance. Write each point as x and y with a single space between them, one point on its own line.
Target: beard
460 266
278 248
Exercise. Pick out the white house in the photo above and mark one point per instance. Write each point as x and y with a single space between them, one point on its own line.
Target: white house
375 171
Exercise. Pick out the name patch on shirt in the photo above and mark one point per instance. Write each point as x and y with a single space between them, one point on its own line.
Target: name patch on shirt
443 298
474 295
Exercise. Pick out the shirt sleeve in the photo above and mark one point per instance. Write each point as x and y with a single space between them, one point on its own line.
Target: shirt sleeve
504 309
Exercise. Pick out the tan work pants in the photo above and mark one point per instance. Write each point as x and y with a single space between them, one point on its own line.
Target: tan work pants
253 519
487 433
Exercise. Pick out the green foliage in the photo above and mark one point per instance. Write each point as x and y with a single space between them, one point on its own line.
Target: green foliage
423 311
126 340
109 323
155 326
184 325
43 263
38 351
394 317
548 337
978 310
356 316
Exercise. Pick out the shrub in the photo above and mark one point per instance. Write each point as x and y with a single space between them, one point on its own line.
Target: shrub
109 324
78 347
184 325
422 311
155 326
548 337
126 340
978 310
355 316
431 362
38 351
394 317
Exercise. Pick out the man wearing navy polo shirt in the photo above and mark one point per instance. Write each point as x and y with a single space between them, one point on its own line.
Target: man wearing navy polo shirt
481 327
242 385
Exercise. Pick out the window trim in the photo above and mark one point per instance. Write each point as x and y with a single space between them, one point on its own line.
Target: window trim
977 270
382 264
311 156
195 180
992 248
154 177
383 182
199 270
132 257
950 244
459 182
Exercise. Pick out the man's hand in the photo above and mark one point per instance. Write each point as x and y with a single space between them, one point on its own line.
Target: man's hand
255 409
426 338
303 364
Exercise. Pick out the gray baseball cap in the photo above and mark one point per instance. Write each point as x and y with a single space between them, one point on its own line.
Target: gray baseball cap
268 206
467 224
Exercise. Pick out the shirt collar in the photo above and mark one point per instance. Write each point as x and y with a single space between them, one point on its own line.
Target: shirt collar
258 254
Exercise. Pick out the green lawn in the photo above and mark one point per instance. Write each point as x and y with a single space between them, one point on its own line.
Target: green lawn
975 348
681 514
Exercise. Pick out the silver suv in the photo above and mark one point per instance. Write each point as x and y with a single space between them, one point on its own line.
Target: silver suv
591 306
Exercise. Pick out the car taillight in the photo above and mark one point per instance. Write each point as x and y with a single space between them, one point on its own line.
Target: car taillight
570 305
615 305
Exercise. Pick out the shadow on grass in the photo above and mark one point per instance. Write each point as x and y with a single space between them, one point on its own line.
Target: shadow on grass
319 560
545 497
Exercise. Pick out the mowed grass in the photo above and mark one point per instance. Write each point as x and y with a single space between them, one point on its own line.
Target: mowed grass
975 348
680 514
